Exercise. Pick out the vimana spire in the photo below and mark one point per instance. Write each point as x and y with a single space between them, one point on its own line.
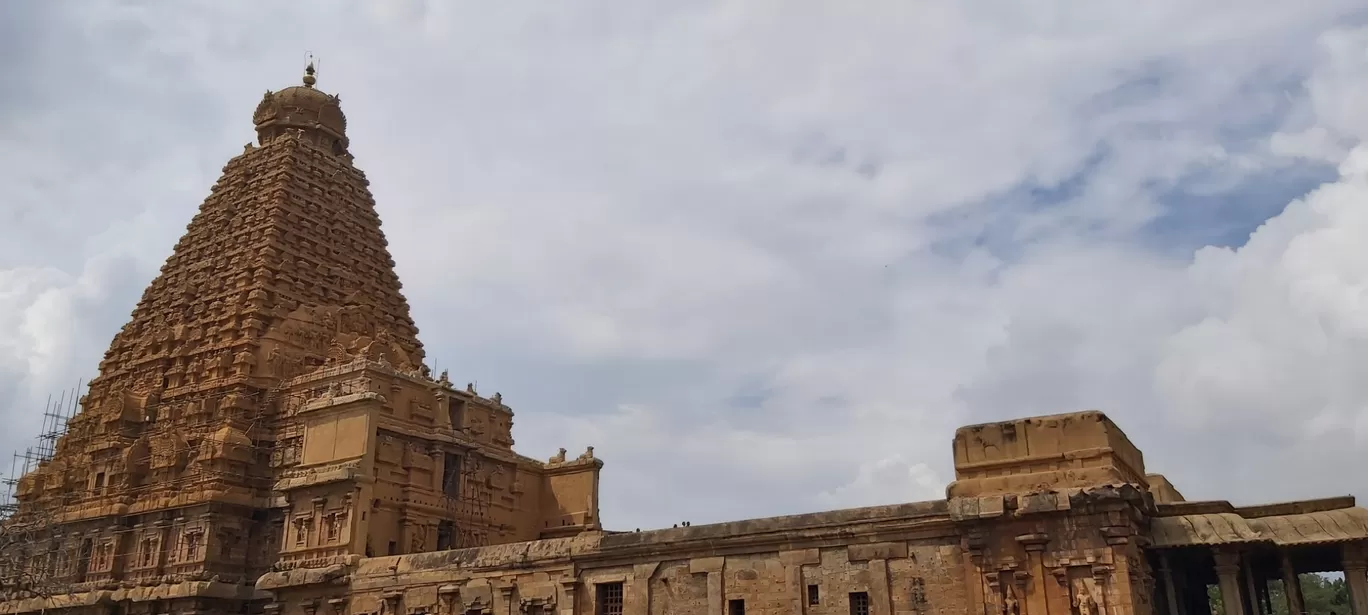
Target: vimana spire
267 406
264 437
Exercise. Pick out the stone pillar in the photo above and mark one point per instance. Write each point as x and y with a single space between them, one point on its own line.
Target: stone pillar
1033 594
505 605
793 562
1170 591
569 601
1251 595
164 544
1356 576
315 524
992 593
1105 590
1265 598
1019 598
1228 571
877 555
975 572
880 599
638 590
1292 586
712 566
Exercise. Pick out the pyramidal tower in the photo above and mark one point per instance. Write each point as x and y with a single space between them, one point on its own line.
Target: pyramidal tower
267 407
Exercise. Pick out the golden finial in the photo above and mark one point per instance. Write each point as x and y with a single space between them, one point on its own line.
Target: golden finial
309 79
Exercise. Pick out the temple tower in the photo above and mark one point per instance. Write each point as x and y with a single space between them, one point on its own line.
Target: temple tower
283 267
267 405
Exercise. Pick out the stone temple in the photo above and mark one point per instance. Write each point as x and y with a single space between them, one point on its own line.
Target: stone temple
263 437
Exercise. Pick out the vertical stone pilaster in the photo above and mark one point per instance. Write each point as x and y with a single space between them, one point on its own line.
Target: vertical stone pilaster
992 592
793 562
569 598
1035 600
975 574
315 522
880 598
793 577
713 567
1020 596
1108 593
164 543
637 600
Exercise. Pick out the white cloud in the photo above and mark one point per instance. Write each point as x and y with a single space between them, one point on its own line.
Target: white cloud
764 256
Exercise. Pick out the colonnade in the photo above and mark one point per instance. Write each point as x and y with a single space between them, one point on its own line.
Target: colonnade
1243 574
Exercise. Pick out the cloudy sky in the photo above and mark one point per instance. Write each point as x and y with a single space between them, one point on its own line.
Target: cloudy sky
765 256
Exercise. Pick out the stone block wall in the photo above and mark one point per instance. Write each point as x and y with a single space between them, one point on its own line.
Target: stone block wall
1041 454
898 578
903 560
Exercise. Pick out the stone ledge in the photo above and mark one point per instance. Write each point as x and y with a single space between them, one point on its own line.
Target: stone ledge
185 589
769 525
336 573
878 550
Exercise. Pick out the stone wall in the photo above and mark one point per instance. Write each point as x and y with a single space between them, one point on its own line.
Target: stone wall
904 559
1038 454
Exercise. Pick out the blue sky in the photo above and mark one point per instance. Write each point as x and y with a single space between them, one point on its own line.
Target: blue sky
763 256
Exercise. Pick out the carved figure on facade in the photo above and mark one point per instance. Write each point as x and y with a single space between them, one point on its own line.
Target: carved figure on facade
1083 601
219 366
1010 604
192 371
275 362
418 541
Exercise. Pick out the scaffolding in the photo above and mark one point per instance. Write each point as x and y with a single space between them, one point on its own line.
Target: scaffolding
178 426
26 563
54 425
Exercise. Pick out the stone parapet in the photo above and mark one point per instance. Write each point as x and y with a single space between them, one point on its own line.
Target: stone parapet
1040 454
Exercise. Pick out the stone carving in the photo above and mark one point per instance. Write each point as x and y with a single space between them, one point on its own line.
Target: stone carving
284 260
1010 605
1083 601
243 362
